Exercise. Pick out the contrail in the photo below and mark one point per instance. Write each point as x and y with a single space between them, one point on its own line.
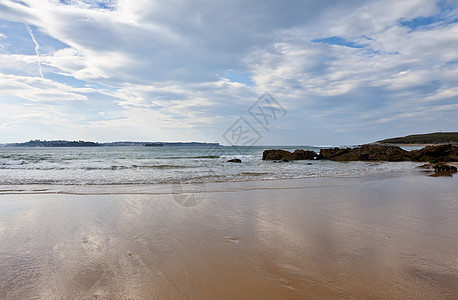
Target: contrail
37 50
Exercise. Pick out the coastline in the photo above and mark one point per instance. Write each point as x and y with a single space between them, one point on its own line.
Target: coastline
350 237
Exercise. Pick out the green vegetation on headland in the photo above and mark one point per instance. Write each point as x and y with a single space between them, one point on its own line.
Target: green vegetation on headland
424 139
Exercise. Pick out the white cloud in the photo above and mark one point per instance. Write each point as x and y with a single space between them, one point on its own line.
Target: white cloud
37 89
2 37
443 94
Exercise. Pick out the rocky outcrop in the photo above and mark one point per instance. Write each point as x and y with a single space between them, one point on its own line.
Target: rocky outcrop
275 154
303 155
445 168
366 153
283 155
235 160
439 153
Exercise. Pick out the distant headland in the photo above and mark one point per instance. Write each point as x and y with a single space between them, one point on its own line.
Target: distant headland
58 143
64 143
427 139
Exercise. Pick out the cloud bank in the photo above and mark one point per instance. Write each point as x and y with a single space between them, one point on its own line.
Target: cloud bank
349 72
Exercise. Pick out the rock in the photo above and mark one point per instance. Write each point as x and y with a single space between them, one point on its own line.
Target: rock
332 153
445 168
278 154
366 153
303 155
235 160
439 153
275 154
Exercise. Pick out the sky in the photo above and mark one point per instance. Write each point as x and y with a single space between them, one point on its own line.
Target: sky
337 72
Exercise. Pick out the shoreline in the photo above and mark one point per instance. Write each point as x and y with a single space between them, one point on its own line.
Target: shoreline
167 188
385 237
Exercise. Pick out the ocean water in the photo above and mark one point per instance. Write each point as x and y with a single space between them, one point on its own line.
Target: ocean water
180 164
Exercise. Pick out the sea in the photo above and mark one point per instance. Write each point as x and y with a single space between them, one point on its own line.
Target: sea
108 166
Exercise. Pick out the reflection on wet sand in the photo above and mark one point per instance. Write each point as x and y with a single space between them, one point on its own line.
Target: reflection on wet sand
315 238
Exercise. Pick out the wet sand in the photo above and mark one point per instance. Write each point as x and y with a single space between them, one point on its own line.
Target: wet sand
330 238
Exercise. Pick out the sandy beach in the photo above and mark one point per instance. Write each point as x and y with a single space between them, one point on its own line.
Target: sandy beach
333 238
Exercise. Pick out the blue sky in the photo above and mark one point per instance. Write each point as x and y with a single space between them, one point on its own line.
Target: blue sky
345 71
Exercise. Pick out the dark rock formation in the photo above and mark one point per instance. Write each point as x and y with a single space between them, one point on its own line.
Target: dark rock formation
284 155
445 168
366 153
440 153
443 153
235 160
304 155
275 154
